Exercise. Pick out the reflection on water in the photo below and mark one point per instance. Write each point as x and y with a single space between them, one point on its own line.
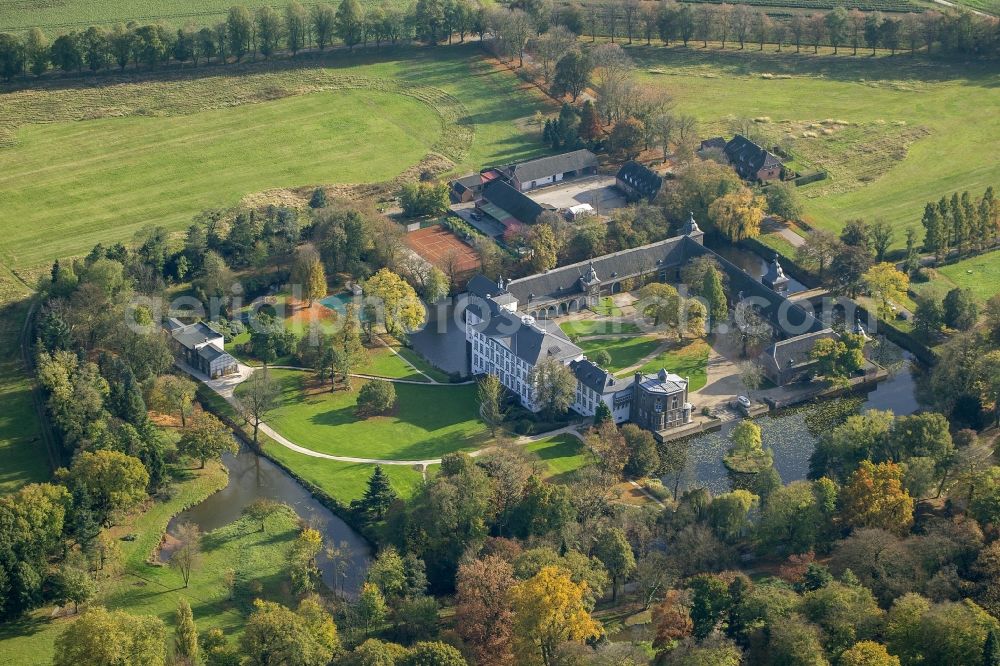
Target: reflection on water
787 434
252 477
752 263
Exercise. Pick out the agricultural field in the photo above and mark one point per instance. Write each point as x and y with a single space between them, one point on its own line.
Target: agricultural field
206 139
893 132
70 14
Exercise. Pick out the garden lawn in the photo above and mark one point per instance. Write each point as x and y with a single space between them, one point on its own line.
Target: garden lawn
916 131
980 274
606 307
688 361
343 481
625 352
428 421
585 327
158 148
562 455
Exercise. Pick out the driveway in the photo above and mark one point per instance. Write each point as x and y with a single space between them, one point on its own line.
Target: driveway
598 191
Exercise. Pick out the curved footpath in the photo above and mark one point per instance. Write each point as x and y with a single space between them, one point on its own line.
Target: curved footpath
226 387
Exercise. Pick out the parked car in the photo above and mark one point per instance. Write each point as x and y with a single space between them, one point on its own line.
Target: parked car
743 401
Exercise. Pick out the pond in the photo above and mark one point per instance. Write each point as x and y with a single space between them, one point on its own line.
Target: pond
788 435
751 262
252 477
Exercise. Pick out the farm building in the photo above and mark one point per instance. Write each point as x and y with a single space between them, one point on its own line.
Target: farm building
202 347
525 176
467 188
751 161
508 206
638 181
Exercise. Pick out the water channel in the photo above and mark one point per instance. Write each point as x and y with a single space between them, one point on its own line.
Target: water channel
252 477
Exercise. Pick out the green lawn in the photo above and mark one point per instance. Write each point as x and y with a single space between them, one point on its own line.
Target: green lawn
562 455
625 351
345 481
428 421
584 327
143 588
916 128
606 307
980 274
22 450
82 163
688 361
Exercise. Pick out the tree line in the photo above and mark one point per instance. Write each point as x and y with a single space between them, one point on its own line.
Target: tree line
268 31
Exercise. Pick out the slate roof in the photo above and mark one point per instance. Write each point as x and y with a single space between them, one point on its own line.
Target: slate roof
545 167
774 307
210 353
596 378
522 208
663 382
774 275
644 181
794 352
483 287
532 341
559 282
748 158
714 142
195 334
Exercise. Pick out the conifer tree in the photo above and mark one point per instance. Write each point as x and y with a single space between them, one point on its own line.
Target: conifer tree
185 635
379 494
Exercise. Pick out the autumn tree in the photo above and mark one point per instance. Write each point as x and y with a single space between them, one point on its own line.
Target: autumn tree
172 393
613 549
491 397
274 634
868 653
548 611
818 250
554 387
114 481
839 359
886 284
875 497
484 611
737 215
256 398
607 441
400 308
100 637
186 555
672 621
207 438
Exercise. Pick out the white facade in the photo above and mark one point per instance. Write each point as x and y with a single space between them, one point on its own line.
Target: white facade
540 182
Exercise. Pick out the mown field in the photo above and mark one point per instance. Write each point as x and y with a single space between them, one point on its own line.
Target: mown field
893 132
81 163
67 14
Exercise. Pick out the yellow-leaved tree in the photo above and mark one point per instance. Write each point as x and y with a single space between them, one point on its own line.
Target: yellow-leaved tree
886 284
549 609
401 308
737 215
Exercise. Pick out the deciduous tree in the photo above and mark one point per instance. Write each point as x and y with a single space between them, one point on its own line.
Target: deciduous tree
548 611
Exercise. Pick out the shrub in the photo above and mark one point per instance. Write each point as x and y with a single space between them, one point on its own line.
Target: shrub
376 397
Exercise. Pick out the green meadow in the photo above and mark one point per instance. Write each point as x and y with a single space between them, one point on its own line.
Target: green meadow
82 163
893 132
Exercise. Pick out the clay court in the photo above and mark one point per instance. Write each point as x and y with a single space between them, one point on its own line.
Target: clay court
444 249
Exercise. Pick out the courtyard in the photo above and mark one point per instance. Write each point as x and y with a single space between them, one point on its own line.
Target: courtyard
598 191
